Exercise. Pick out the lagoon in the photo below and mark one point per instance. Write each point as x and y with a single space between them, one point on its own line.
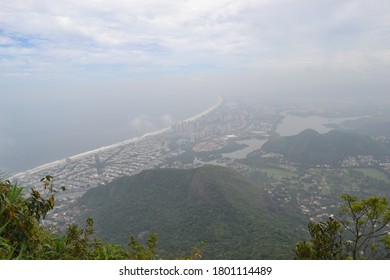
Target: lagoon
293 124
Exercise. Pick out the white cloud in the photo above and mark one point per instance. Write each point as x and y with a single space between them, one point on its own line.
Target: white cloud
149 36
167 119
142 122
146 123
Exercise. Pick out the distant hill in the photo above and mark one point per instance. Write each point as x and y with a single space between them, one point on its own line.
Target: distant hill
310 147
371 126
211 203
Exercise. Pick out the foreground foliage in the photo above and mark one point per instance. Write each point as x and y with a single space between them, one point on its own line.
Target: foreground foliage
361 231
22 236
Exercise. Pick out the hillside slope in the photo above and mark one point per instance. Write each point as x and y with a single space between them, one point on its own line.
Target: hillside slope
185 207
310 147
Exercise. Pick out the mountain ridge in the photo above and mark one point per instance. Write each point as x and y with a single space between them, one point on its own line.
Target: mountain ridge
185 207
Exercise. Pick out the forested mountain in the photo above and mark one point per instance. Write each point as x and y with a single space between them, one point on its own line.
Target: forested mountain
311 148
185 207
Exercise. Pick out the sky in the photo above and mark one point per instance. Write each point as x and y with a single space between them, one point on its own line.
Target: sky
64 62
67 41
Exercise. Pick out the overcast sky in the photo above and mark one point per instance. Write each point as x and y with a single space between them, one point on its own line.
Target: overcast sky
73 40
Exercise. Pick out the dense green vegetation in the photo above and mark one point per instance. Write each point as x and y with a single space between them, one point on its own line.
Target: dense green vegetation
22 236
211 203
312 148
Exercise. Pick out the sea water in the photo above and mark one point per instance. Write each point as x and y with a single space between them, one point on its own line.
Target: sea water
38 130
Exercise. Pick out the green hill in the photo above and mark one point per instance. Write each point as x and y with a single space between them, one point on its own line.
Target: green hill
185 207
311 148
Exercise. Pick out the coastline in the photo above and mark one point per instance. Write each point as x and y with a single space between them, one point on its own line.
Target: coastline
118 144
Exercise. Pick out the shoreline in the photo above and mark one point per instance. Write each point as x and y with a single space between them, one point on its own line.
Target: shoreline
118 144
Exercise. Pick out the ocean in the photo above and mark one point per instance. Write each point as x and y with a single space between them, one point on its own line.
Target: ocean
38 129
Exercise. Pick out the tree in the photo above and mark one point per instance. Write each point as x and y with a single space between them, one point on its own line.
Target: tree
20 233
367 226
361 231
326 242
